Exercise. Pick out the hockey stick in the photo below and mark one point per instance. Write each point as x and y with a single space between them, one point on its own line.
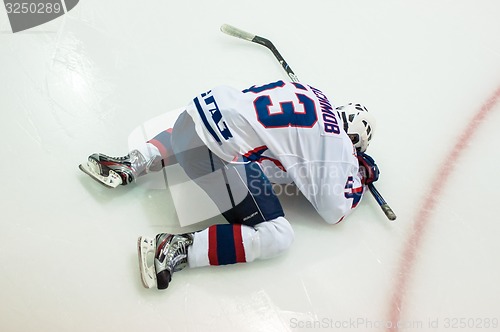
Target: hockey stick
238 33
381 201
235 32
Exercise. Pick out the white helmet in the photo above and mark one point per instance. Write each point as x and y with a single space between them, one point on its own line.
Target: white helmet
359 124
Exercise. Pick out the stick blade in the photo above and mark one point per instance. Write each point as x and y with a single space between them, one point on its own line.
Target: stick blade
235 32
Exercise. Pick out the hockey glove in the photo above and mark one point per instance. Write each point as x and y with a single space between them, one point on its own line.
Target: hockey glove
368 168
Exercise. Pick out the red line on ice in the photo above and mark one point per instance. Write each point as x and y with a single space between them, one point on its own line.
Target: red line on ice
421 221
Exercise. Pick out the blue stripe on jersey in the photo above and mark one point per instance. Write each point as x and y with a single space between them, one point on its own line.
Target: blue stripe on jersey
226 253
205 121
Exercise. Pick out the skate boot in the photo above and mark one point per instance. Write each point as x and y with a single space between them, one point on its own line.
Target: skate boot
113 171
160 257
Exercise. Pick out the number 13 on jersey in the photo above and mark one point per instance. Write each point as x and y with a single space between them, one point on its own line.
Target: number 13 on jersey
273 112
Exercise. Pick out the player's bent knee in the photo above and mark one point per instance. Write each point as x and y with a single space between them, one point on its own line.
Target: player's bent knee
286 233
275 237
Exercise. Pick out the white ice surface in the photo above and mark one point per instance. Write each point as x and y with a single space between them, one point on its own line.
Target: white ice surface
84 82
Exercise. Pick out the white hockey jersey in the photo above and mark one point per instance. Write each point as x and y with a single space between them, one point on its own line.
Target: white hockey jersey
291 126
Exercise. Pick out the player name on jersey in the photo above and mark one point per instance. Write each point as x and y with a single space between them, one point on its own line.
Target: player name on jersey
331 124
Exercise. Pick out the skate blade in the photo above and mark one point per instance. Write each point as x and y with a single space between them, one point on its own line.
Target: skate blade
113 180
146 250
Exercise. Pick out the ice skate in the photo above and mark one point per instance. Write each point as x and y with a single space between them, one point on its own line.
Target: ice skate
160 257
115 171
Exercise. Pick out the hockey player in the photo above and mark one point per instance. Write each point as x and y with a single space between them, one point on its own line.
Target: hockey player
221 140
